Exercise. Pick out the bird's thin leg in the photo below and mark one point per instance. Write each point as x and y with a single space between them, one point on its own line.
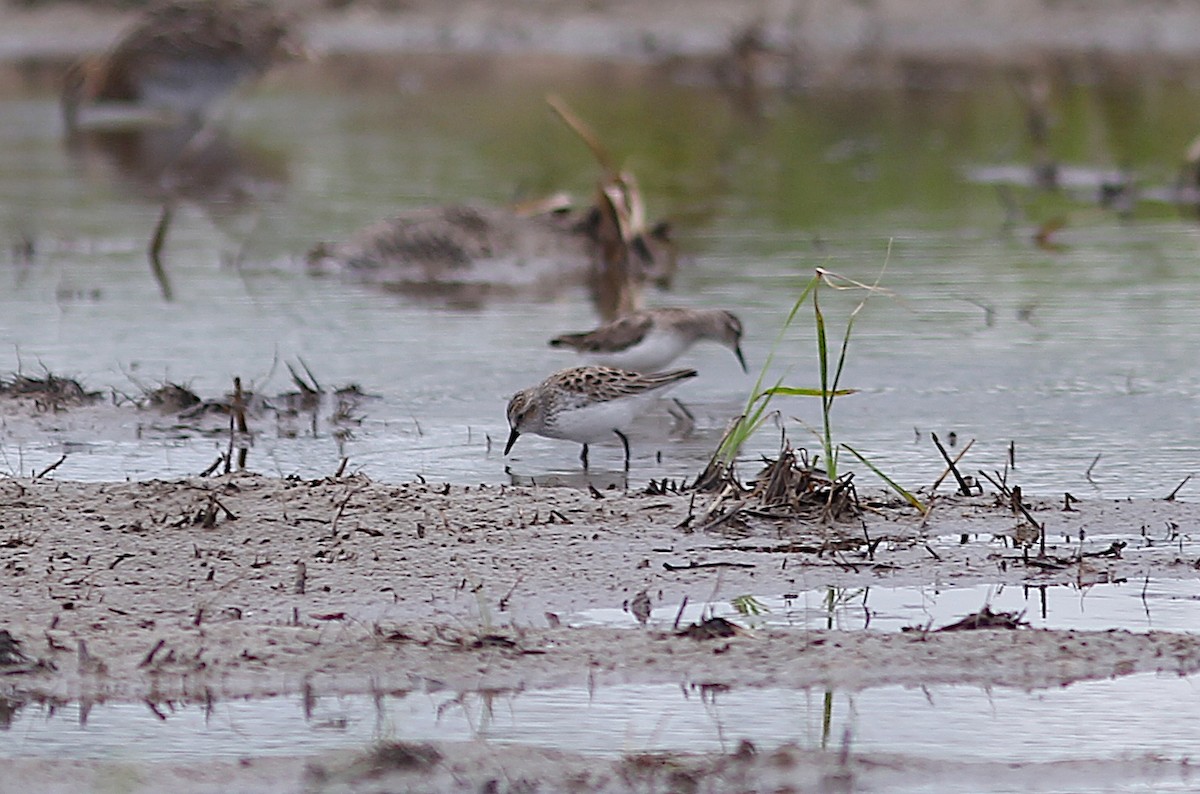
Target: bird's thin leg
624 443
583 457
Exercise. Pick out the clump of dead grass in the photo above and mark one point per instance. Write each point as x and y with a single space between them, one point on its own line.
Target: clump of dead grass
49 393
789 486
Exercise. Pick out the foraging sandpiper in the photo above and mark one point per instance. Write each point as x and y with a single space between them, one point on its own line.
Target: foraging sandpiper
649 340
587 404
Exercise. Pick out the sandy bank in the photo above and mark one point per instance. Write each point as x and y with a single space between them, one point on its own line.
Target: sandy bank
247 585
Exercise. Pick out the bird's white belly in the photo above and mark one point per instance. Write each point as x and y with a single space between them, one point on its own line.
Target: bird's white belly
653 353
596 422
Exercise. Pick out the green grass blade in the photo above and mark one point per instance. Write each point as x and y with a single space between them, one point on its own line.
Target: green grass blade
796 391
756 404
826 397
908 496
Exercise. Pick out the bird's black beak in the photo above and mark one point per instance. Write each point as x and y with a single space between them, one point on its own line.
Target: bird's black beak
512 439
737 351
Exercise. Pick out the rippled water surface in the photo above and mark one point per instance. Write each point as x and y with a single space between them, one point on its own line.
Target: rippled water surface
1135 717
1079 348
1149 605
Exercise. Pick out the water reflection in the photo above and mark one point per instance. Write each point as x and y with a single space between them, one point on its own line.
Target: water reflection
1150 605
1046 93
194 162
188 162
9 708
1136 714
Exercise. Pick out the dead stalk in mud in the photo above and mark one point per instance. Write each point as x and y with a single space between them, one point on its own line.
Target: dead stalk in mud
1000 481
216 464
963 488
63 459
952 463
149 657
237 426
309 387
1171 496
341 508
585 133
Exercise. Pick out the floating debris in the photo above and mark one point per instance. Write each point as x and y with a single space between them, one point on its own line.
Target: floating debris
50 393
712 628
983 619
171 398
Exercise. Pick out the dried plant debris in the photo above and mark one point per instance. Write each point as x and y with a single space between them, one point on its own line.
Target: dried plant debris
294 411
50 393
14 661
712 628
248 402
383 759
983 619
10 650
171 398
175 410
389 756
788 487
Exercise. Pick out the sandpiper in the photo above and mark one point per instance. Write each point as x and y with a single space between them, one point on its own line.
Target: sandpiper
180 56
649 340
587 404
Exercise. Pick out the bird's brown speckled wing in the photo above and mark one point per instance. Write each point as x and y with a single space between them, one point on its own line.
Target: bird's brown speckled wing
607 383
612 337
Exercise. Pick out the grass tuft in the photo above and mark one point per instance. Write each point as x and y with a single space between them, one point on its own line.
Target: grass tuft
719 473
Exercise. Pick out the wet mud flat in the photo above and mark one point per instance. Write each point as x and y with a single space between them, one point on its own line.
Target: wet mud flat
240 586
479 766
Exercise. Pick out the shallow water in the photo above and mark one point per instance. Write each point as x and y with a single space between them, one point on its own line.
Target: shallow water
1072 353
1131 717
1152 604
1136 716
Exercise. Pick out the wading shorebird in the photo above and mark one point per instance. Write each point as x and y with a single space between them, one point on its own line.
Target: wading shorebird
587 404
180 56
649 340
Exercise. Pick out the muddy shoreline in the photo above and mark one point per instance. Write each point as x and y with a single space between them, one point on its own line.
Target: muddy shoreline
244 585
236 586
